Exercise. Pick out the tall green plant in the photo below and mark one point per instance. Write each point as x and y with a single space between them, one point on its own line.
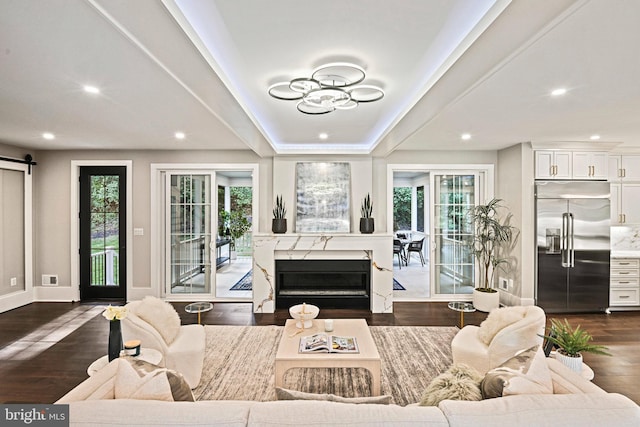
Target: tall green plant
492 238
279 210
366 210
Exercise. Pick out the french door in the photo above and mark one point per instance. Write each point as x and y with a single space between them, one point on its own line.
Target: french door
103 232
454 194
190 239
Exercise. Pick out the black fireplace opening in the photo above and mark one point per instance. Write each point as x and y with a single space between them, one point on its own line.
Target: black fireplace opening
342 283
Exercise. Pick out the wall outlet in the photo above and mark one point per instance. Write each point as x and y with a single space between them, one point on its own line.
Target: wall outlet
49 280
14 281
503 283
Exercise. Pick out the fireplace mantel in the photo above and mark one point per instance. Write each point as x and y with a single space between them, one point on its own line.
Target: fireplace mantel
269 247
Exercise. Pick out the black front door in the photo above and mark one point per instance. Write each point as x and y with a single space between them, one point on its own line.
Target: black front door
103 233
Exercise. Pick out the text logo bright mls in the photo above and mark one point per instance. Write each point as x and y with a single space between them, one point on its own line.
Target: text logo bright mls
34 415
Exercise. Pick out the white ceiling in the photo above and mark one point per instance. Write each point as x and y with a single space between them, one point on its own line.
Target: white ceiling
448 67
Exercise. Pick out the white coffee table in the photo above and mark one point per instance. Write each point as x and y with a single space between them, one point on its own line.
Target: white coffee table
368 358
150 355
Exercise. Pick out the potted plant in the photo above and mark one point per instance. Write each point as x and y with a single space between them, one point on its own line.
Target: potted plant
367 225
493 238
571 343
223 223
238 225
279 222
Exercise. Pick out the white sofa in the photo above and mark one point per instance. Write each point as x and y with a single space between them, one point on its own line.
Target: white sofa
575 402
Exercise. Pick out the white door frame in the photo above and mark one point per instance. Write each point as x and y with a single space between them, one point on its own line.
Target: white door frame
486 191
158 171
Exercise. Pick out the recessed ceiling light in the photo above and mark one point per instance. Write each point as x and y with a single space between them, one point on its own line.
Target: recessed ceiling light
91 89
180 135
48 135
465 136
594 137
323 135
558 92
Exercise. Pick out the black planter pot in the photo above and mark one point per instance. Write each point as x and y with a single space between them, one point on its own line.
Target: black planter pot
115 339
279 225
367 225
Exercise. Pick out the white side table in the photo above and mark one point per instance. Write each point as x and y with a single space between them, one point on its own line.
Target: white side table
150 355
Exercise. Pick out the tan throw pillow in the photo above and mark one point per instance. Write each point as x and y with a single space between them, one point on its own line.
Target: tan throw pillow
161 315
525 373
459 382
497 320
144 381
285 394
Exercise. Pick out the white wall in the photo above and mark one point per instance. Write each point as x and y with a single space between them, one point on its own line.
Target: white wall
284 183
514 183
515 186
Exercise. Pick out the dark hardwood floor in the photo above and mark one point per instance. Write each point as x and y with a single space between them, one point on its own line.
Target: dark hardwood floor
45 348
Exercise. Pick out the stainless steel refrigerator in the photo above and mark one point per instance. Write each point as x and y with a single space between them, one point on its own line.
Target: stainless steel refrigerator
573 245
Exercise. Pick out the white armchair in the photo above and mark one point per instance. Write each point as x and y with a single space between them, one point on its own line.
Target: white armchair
506 331
153 322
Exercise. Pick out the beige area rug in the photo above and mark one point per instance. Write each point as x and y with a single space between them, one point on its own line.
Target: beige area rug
239 363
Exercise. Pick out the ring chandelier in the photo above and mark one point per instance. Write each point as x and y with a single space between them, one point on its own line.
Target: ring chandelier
331 87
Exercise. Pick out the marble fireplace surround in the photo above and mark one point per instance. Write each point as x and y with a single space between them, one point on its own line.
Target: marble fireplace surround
269 247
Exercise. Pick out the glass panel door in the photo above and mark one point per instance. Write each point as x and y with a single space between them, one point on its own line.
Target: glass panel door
190 243
103 232
454 194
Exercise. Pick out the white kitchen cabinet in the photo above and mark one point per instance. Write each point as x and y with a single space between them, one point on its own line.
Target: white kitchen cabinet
624 168
590 165
625 282
624 202
554 164
615 205
615 167
551 164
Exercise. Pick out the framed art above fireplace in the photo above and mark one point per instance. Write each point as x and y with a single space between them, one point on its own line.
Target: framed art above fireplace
323 197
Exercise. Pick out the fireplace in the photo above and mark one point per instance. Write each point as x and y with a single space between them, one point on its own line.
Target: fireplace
337 283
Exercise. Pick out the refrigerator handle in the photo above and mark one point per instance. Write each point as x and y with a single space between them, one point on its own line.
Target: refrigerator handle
572 256
564 243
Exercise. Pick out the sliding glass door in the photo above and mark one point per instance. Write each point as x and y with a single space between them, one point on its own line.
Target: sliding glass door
454 194
190 238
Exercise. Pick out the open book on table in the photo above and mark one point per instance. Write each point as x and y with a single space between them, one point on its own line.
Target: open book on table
328 343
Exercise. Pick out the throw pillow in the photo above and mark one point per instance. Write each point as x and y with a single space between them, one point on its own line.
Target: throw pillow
497 320
459 382
161 315
285 394
137 379
525 373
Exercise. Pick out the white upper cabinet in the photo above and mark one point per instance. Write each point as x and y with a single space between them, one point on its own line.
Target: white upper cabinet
590 165
624 173
552 164
629 169
615 167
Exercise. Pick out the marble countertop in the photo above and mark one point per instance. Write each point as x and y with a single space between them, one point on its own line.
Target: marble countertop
625 254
